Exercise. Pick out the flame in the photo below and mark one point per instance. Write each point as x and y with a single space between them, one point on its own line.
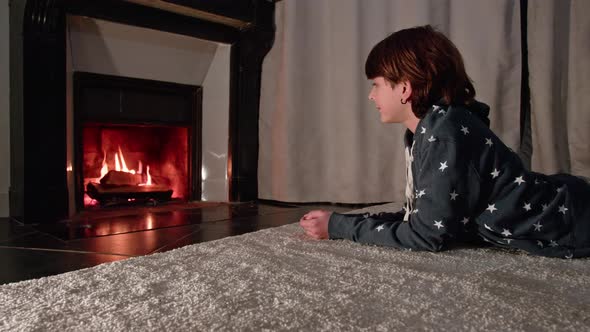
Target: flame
148 182
121 166
117 164
149 177
105 168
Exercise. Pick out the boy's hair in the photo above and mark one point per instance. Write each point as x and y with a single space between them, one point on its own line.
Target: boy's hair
429 61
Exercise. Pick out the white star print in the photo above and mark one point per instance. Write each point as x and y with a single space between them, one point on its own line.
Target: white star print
380 228
538 226
540 243
562 209
423 131
465 221
421 193
438 224
465 130
443 112
415 211
544 206
570 256
489 142
453 195
495 173
435 108
553 244
559 189
488 227
527 206
443 166
492 208
508 241
506 232
431 139
519 180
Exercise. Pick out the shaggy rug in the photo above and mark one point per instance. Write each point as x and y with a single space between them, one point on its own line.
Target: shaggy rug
278 279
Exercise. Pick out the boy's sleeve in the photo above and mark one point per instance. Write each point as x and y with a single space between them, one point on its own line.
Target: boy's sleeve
446 190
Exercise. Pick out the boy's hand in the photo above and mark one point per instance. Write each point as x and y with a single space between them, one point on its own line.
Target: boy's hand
315 223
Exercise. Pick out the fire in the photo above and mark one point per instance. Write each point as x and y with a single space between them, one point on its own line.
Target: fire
121 166
117 164
149 177
105 168
113 165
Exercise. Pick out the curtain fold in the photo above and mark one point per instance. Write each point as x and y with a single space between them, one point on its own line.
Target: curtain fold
320 137
559 45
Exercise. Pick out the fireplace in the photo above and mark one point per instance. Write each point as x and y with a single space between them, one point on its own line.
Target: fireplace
137 141
115 137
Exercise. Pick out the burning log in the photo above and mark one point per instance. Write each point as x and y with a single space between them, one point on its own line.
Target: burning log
105 193
124 185
118 178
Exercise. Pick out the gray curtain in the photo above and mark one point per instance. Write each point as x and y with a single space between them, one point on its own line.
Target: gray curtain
559 50
320 138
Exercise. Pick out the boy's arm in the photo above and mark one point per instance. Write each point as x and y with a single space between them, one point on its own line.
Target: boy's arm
446 192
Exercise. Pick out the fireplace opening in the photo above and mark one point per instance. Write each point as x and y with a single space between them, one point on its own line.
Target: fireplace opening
136 141
134 164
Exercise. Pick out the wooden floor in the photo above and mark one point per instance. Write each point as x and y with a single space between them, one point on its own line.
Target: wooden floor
34 251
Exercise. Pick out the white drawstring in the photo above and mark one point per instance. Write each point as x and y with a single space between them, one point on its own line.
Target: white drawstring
409 182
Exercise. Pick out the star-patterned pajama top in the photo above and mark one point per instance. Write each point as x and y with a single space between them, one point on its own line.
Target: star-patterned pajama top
466 186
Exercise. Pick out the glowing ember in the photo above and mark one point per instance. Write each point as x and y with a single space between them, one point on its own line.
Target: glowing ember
89 201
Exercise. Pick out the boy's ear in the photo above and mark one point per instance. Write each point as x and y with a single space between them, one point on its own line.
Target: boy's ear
407 89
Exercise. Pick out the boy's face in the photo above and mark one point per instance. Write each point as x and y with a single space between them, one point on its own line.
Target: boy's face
388 100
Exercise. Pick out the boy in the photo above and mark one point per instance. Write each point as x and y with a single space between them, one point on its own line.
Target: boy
463 183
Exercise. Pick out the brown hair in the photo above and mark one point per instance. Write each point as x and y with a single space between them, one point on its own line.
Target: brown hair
429 61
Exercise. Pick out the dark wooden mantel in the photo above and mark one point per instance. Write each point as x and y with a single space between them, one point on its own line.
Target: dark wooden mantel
39 191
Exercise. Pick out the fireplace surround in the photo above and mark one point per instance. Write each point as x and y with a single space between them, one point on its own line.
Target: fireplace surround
38 85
